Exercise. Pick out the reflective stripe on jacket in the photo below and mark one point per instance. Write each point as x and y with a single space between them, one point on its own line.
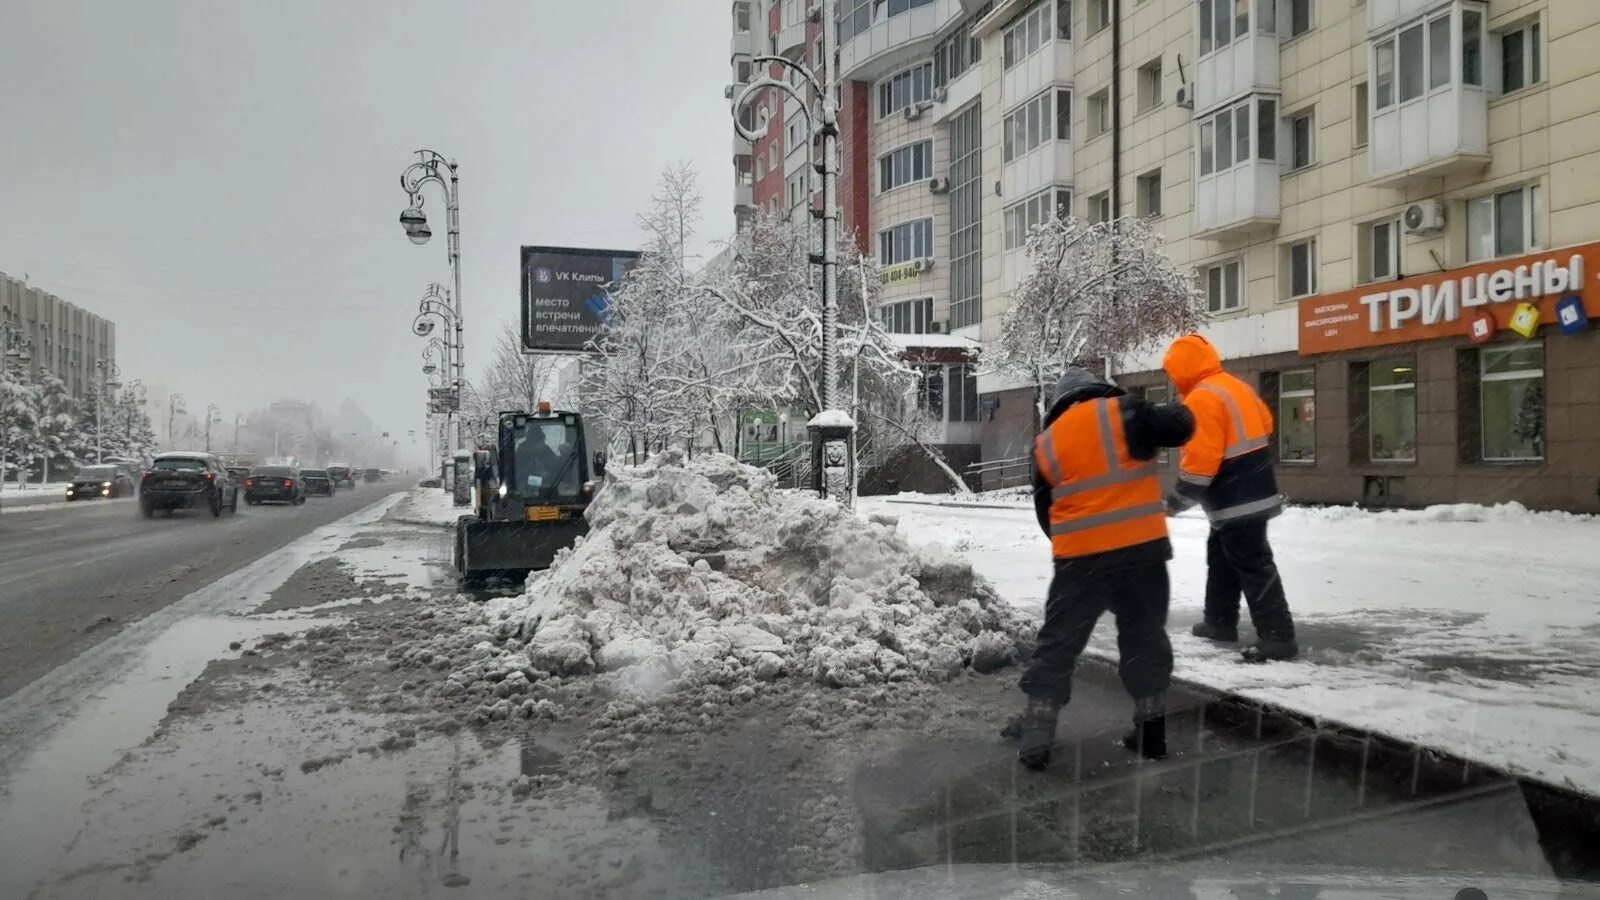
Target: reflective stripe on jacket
1102 499
1229 454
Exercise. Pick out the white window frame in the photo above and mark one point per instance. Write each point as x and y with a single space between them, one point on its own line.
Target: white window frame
1257 116
1098 15
1149 204
1485 377
1297 394
1020 218
1150 94
1534 63
906 157
909 233
1099 207
1028 127
1367 261
914 312
1360 114
1309 246
1533 201
886 101
1221 267
1098 114
1389 45
1290 19
1030 33
1307 114
1260 18
961 393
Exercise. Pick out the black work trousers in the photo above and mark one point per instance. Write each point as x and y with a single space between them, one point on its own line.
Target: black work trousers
1239 561
1136 594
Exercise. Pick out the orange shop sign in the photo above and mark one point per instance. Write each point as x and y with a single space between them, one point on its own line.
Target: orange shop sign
1444 304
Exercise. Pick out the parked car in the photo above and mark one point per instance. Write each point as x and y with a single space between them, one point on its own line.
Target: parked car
95 482
372 476
318 482
344 475
275 484
183 479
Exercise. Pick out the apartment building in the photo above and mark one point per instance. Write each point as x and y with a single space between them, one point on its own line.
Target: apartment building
63 338
1392 208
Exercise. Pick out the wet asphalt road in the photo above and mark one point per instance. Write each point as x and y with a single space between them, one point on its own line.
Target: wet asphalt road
74 574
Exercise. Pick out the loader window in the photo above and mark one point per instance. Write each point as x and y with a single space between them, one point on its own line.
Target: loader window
547 463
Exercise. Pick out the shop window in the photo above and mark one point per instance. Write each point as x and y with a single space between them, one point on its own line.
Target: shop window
963 392
1300 268
1222 284
1511 403
1520 58
1297 412
1149 195
1379 251
1392 410
930 391
1505 224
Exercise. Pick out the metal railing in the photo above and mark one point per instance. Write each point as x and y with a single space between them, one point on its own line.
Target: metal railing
993 474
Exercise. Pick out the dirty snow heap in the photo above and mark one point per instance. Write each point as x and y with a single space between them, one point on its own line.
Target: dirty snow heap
706 570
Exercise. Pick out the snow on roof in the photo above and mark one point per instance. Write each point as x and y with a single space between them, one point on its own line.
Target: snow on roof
832 418
910 341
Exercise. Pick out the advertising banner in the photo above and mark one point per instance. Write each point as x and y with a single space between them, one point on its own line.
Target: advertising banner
565 299
1562 286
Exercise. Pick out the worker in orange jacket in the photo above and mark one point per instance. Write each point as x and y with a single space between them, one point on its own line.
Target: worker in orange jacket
1227 468
1097 497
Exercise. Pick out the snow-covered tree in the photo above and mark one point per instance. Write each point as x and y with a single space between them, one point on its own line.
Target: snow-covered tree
1095 292
57 421
19 418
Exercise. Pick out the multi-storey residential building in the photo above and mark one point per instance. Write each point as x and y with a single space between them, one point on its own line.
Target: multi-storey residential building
65 339
1365 191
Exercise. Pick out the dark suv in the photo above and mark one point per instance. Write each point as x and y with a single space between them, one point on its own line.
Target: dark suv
372 476
179 480
275 484
94 482
318 482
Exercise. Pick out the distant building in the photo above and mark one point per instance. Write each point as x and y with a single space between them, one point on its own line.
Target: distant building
66 339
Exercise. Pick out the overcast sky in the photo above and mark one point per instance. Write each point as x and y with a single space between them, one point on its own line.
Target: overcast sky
221 177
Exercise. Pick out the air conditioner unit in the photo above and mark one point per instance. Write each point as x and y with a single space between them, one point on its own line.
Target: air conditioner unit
940 94
923 265
727 92
913 113
1185 98
1424 217
938 326
938 185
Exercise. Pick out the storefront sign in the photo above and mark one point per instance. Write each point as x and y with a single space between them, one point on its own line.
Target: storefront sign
1443 304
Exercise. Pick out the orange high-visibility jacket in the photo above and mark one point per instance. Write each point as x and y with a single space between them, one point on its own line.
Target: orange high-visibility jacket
1227 462
1101 498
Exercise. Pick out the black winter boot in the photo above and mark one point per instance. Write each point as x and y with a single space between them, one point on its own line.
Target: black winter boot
1038 733
1149 735
1218 633
1267 649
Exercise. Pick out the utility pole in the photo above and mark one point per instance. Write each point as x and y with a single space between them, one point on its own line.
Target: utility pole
174 406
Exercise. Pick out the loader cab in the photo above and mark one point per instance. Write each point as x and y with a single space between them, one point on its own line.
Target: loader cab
544 460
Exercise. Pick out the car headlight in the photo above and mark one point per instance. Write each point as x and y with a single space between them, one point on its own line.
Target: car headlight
105 484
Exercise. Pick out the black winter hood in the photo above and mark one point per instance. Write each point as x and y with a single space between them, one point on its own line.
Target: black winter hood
1076 385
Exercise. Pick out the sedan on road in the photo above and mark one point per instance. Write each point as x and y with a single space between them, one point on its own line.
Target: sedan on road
372 476
95 482
184 479
343 476
318 482
275 484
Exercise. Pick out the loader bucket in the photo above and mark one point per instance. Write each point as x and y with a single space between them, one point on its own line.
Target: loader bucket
510 548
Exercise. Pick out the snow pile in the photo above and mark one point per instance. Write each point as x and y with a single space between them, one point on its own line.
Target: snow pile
1502 513
705 569
428 506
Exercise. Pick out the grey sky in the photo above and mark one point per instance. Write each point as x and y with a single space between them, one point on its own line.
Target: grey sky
220 177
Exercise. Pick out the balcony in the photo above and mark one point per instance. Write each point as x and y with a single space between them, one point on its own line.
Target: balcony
1237 199
961 90
1384 15
741 147
741 44
897 34
1247 63
1051 64
1045 165
792 39
1430 106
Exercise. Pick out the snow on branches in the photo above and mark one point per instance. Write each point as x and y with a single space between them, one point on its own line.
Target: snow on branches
1095 292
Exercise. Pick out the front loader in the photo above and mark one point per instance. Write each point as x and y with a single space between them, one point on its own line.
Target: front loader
529 495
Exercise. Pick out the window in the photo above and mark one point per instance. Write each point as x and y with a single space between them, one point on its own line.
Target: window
1392 410
1301 264
1519 58
1297 413
857 16
1020 218
1064 20
963 392
1505 224
1302 140
905 242
774 155
1417 60
958 52
1471 47
930 390
1099 15
1206 40
905 165
1383 73
966 218
903 89
1025 36
1438 52
1027 127
1411 59
744 71
741 17
908 316
1100 207
1149 85
1099 112
1380 251
1223 288
1511 402
1224 21
1359 115
1299 17
1225 136
1208 149
1149 195
1063 114
761 167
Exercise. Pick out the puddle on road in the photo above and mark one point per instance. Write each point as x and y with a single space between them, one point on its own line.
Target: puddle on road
43 804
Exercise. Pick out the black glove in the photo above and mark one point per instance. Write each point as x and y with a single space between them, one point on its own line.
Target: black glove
1176 502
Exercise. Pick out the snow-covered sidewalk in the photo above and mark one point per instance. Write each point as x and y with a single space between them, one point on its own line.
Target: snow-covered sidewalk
428 506
1470 629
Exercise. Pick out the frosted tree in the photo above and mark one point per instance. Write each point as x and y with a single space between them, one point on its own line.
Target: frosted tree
57 423
1094 293
19 419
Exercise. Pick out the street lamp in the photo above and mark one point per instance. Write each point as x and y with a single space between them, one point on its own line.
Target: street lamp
174 407
832 429
437 306
431 167
109 375
213 414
